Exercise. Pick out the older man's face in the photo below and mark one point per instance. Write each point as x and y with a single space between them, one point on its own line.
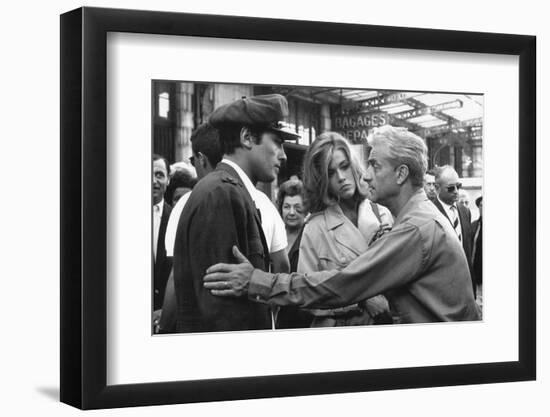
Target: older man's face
448 186
160 180
381 175
429 186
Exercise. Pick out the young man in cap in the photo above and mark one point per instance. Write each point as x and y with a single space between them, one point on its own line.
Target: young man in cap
221 213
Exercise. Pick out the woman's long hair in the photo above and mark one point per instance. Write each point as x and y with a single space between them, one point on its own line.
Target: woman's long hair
315 176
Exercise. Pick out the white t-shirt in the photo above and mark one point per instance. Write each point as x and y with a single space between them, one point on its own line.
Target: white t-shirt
172 225
272 223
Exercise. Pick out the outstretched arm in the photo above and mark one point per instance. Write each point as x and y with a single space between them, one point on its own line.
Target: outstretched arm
392 261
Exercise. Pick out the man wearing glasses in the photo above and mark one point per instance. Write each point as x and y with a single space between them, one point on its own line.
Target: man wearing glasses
447 185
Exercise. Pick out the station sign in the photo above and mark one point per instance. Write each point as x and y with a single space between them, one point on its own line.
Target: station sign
355 127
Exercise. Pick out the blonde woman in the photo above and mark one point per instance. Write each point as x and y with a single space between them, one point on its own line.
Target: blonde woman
342 224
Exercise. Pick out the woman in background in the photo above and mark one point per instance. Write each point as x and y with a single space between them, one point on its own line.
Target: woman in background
342 224
290 201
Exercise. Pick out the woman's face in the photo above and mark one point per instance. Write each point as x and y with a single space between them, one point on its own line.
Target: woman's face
341 182
293 211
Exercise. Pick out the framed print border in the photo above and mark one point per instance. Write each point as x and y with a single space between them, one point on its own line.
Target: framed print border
84 207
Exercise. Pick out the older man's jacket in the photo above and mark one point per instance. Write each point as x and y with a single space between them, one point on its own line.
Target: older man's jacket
466 227
420 265
219 214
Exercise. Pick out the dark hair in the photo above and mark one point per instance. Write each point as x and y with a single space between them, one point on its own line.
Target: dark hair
156 157
289 188
180 178
478 200
230 136
206 140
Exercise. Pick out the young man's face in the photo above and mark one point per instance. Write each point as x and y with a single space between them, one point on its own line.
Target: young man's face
267 156
381 175
160 180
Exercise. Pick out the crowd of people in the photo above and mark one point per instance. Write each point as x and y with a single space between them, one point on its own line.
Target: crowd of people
346 245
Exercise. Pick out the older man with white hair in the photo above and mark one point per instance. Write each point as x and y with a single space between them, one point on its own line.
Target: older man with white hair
419 265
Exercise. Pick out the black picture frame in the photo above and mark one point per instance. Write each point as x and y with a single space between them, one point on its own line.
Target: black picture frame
84 206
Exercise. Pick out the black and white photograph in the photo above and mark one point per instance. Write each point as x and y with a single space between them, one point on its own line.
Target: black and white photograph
243 208
256 207
291 207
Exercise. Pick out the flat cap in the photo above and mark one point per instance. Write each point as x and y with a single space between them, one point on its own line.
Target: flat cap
266 111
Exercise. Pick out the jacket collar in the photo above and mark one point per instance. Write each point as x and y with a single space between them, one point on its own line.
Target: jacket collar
440 206
222 166
349 237
415 199
237 172
334 216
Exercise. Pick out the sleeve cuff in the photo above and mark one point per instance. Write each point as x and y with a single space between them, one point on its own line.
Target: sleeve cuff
259 288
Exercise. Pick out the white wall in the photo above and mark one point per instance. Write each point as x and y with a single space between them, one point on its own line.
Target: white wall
30 219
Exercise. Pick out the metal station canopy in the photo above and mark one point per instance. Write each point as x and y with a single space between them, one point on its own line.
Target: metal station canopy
427 114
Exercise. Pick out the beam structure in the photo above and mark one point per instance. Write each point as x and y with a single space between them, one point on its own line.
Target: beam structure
439 114
434 131
374 103
421 111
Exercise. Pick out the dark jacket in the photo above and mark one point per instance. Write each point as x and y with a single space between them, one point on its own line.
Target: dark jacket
466 227
477 255
219 214
294 251
163 264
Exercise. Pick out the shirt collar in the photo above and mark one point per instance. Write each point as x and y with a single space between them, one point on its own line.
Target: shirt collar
416 198
244 178
160 205
334 216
